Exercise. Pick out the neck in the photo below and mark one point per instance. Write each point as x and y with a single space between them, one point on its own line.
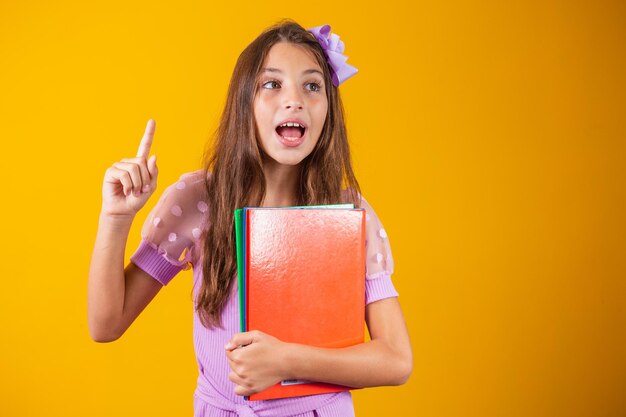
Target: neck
281 185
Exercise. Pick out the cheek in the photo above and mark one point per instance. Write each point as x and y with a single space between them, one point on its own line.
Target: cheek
262 115
261 107
320 113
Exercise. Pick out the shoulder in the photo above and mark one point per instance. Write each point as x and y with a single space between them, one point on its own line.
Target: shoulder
184 202
373 222
349 194
188 186
194 179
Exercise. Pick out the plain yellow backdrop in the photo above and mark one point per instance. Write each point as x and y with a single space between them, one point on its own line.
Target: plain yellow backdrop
488 136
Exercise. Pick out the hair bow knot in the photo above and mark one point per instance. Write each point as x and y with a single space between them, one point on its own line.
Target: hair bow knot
333 48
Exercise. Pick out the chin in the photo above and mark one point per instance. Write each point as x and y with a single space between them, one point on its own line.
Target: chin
282 159
287 161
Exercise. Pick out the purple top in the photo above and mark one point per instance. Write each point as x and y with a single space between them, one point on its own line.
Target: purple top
170 243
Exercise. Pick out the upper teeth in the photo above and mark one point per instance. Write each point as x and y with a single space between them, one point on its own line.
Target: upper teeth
290 124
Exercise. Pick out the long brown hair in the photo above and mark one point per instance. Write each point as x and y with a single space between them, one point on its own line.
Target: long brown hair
234 162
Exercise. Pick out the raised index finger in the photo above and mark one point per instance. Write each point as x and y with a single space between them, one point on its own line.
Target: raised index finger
146 141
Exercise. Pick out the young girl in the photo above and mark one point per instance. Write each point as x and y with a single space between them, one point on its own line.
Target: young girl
281 141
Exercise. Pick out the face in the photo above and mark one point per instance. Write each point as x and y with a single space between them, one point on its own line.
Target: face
290 104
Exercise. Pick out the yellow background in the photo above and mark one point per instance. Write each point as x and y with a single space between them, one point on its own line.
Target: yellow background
488 136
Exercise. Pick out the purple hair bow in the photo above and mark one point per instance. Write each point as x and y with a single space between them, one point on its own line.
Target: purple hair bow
333 48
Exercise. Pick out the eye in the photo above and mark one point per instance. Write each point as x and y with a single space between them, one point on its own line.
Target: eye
273 84
314 86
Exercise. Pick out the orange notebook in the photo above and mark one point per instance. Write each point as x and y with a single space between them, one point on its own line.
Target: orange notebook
304 272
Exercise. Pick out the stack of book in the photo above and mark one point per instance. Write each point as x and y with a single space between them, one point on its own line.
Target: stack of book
301 273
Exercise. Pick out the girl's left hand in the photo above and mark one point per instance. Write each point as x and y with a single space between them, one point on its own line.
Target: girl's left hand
256 365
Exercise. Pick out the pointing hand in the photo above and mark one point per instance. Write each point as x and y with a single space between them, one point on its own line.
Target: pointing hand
129 183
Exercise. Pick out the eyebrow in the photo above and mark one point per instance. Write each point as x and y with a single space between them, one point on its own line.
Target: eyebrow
305 72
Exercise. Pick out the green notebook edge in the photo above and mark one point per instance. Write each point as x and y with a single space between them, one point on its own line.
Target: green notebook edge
240 278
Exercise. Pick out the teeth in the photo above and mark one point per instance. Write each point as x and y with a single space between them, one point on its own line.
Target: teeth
291 124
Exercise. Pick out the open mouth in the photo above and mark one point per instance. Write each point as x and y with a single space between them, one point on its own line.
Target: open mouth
291 130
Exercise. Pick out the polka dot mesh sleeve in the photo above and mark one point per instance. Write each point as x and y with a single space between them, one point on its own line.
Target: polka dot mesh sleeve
171 230
379 262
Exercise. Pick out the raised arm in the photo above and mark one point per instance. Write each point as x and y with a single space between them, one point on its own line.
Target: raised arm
116 295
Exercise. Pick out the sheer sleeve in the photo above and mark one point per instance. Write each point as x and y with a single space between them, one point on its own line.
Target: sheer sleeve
170 231
379 262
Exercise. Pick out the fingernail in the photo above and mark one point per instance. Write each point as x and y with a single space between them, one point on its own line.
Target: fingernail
146 187
228 346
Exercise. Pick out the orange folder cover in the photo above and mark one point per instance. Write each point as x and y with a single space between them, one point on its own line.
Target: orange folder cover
305 282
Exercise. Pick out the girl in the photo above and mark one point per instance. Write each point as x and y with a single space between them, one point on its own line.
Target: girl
281 141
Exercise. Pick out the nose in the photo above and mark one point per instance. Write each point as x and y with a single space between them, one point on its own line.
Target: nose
295 105
292 99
